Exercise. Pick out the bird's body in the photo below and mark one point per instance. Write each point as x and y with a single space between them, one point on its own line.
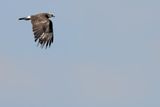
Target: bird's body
42 28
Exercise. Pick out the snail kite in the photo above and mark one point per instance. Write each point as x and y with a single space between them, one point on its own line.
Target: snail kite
42 28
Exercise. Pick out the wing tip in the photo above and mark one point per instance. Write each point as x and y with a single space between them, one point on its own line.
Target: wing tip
44 42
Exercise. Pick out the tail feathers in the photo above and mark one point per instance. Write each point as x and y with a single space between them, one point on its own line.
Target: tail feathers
24 18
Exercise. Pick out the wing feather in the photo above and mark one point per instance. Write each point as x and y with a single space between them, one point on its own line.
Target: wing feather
43 30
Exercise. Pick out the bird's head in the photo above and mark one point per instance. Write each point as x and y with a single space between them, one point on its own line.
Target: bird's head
50 15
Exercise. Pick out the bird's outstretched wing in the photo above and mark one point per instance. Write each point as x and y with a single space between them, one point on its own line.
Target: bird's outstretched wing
43 31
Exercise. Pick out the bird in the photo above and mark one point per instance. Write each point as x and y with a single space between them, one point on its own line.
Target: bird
42 28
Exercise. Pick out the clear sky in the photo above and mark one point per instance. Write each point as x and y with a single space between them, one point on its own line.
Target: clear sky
106 53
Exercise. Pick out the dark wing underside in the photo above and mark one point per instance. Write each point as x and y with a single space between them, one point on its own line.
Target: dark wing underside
43 30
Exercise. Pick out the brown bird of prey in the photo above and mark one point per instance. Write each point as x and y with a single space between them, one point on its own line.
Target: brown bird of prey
42 28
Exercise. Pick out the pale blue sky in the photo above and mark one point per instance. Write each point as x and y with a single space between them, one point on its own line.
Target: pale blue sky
106 53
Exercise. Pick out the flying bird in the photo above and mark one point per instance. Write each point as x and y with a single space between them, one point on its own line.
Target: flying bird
42 28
